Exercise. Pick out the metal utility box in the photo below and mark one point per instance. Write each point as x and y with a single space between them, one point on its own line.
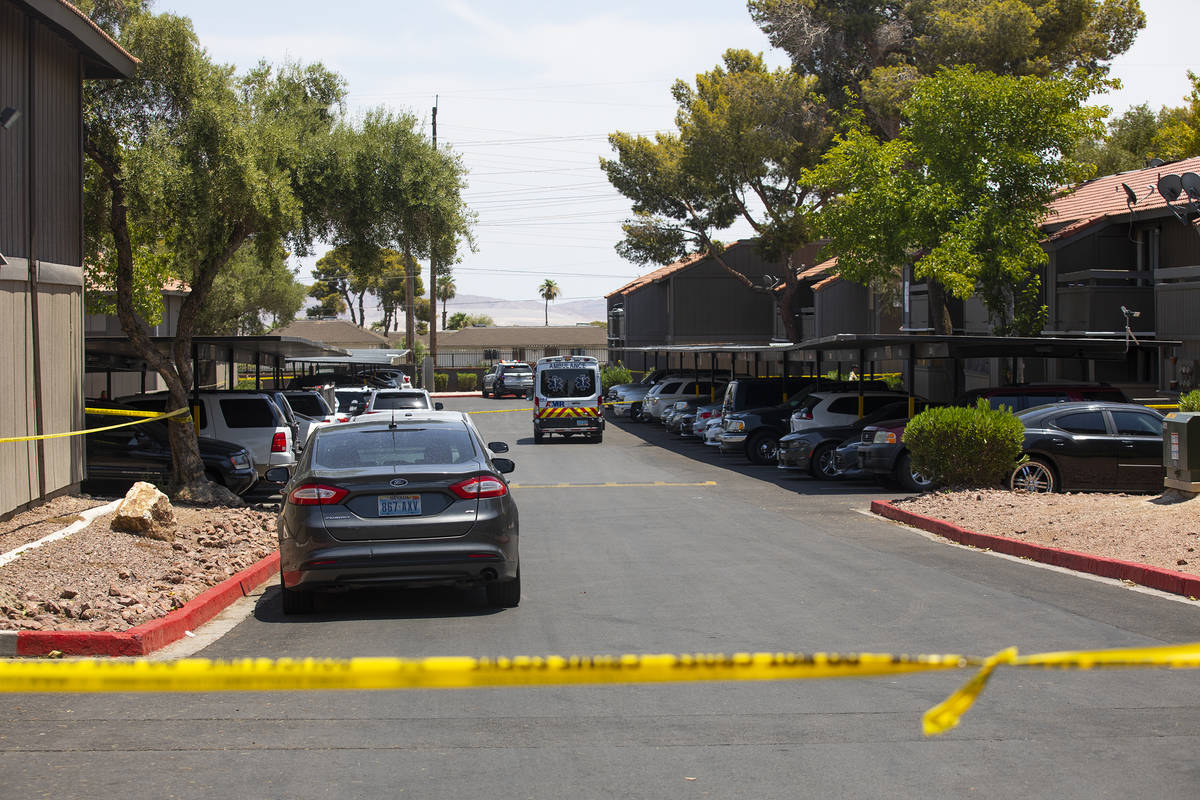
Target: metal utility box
1181 451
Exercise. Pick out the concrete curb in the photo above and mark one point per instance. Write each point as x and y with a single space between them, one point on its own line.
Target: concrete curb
149 636
1142 574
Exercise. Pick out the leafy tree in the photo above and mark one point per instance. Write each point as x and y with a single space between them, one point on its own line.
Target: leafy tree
189 164
446 290
460 320
1178 135
247 290
548 291
746 136
961 190
1129 144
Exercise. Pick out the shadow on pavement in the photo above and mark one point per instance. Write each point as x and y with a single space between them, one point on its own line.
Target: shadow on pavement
367 604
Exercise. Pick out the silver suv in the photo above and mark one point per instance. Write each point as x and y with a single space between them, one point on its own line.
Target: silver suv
508 377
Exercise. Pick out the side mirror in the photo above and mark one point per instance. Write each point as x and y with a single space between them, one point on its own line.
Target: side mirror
498 447
279 475
504 465
438 406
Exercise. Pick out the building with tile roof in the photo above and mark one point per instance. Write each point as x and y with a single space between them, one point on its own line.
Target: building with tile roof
339 333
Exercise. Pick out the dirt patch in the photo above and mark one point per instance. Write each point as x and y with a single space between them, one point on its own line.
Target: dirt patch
98 579
1161 531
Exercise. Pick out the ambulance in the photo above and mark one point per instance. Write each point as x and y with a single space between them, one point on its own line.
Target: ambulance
567 399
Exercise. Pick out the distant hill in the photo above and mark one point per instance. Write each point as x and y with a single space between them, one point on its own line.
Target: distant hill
518 312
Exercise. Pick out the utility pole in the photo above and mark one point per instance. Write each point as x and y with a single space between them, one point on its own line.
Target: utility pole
433 317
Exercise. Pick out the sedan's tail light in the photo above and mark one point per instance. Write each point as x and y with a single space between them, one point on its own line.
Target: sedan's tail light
316 494
480 486
279 443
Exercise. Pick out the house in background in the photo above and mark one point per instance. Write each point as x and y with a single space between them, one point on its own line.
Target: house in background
473 347
338 333
47 49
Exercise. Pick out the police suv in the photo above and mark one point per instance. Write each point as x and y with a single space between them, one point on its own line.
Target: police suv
566 398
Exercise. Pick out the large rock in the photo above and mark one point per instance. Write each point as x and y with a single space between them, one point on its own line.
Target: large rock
147 512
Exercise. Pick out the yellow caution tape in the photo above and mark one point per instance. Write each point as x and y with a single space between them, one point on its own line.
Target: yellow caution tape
149 415
255 675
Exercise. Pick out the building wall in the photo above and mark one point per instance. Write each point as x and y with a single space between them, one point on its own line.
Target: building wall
707 304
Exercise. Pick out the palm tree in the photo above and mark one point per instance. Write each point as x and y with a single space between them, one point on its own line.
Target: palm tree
445 291
548 291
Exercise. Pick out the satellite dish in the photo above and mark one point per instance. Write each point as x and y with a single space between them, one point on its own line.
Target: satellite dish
1155 162
1131 195
1191 184
1169 186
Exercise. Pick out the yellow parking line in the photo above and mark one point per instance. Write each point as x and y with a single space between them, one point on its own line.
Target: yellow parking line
609 485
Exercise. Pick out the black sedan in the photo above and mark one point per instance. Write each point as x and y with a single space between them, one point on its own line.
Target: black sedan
814 449
416 499
118 458
1091 446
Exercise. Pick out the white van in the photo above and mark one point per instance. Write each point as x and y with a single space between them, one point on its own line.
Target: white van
566 398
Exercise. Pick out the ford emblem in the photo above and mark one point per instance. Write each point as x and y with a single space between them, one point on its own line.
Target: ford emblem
398 482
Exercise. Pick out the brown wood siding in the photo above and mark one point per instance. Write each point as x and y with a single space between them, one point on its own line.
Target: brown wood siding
710 305
842 307
61 309
1179 245
57 151
14 77
18 460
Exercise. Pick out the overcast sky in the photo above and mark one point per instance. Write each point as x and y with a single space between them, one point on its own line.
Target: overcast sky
528 91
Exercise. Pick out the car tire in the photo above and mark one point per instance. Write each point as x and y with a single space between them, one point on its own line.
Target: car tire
598 436
635 412
537 436
1035 475
821 463
296 602
908 479
504 594
763 448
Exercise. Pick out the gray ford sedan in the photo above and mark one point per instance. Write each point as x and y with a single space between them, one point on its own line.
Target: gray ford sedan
414 498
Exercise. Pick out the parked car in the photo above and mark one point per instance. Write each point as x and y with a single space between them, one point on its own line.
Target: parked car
340 380
312 412
838 408
351 400
756 430
664 395
626 399
882 450
383 401
414 501
1091 446
116 459
815 449
250 419
398 377
703 416
508 377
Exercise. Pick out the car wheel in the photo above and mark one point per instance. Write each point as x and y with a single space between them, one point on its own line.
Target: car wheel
483 392
763 448
821 463
505 594
635 412
598 436
1035 475
537 436
296 602
909 479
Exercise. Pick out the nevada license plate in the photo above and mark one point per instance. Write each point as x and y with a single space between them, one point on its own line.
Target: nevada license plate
400 505
582 421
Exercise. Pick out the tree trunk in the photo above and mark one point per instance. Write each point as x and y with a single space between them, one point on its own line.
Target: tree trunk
443 315
362 318
939 308
783 302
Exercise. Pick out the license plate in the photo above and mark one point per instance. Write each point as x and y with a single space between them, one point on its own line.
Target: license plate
400 505
582 421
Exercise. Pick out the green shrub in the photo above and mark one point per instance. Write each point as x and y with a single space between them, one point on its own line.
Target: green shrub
1190 401
466 381
440 381
965 447
613 375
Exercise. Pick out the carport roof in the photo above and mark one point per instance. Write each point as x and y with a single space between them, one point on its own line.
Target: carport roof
117 353
880 347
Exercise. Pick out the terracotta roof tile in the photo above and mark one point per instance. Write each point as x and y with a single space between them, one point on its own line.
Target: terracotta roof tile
338 331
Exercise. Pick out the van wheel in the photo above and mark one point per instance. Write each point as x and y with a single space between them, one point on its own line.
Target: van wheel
598 436
537 436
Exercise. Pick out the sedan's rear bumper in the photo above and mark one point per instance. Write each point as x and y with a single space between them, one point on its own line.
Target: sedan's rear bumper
398 564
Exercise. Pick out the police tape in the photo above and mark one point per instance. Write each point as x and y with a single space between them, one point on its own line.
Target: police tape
148 417
261 674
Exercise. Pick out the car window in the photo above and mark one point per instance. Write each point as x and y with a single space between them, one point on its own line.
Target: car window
311 405
385 402
568 382
1087 422
118 439
517 371
247 412
844 405
430 443
1136 423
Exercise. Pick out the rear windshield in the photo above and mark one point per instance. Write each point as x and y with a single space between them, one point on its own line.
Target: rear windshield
386 402
344 399
311 405
249 412
429 443
568 382
525 370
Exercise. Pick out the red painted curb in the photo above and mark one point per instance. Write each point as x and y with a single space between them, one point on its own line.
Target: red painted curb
1142 574
150 636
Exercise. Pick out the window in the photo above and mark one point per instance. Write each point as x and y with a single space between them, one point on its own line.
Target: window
1085 422
844 405
311 405
1136 423
249 412
404 446
387 402
568 383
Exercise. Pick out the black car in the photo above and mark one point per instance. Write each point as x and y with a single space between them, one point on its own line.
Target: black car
815 449
413 500
1091 446
118 458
